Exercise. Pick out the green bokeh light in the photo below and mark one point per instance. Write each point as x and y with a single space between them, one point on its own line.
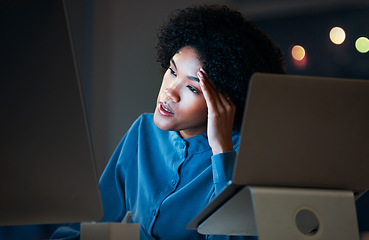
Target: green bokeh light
362 44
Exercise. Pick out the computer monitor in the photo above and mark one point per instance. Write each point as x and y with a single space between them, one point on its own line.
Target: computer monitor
47 169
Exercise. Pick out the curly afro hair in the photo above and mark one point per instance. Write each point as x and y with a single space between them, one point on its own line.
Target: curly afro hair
230 47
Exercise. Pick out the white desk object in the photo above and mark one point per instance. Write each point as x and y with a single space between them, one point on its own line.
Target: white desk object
286 214
110 231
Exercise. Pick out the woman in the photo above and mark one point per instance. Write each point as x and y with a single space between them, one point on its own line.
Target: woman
170 164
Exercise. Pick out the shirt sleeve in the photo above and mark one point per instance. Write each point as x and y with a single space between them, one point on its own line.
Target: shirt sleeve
222 167
112 182
112 191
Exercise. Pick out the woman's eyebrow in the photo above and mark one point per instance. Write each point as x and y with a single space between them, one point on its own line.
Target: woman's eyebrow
174 64
193 78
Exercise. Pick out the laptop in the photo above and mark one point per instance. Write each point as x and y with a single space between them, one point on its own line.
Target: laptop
301 132
47 168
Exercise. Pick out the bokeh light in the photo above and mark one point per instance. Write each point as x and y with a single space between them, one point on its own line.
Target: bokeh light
298 52
362 44
337 35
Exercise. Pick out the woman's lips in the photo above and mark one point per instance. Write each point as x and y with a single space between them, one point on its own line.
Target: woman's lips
165 110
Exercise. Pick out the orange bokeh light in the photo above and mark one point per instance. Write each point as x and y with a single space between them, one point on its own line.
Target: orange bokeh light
298 52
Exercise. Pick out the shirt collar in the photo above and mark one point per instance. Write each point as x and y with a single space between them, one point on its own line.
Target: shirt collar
196 144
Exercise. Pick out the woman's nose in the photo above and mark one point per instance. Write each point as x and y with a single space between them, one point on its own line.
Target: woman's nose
172 93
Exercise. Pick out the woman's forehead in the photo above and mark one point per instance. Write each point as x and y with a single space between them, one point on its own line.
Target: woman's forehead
187 55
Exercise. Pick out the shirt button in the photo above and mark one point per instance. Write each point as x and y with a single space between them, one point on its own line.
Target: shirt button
154 212
173 182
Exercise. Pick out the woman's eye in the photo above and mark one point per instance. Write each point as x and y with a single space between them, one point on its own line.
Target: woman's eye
172 71
192 89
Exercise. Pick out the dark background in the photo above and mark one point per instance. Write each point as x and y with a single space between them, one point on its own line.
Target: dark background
115 49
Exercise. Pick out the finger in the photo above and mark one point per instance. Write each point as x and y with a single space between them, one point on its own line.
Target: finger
214 90
227 105
209 92
205 77
210 88
227 101
216 102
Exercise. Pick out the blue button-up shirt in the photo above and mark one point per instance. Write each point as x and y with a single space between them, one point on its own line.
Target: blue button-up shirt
163 179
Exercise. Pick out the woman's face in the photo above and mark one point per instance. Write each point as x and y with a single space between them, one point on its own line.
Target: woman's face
180 104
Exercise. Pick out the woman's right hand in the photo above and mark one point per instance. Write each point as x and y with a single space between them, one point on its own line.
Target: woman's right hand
221 112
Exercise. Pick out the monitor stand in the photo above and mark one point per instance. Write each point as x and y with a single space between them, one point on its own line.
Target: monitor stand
286 214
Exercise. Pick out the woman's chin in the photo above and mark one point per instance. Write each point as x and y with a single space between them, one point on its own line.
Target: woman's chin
161 122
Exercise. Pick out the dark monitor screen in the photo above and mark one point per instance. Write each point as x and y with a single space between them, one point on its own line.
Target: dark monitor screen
47 169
